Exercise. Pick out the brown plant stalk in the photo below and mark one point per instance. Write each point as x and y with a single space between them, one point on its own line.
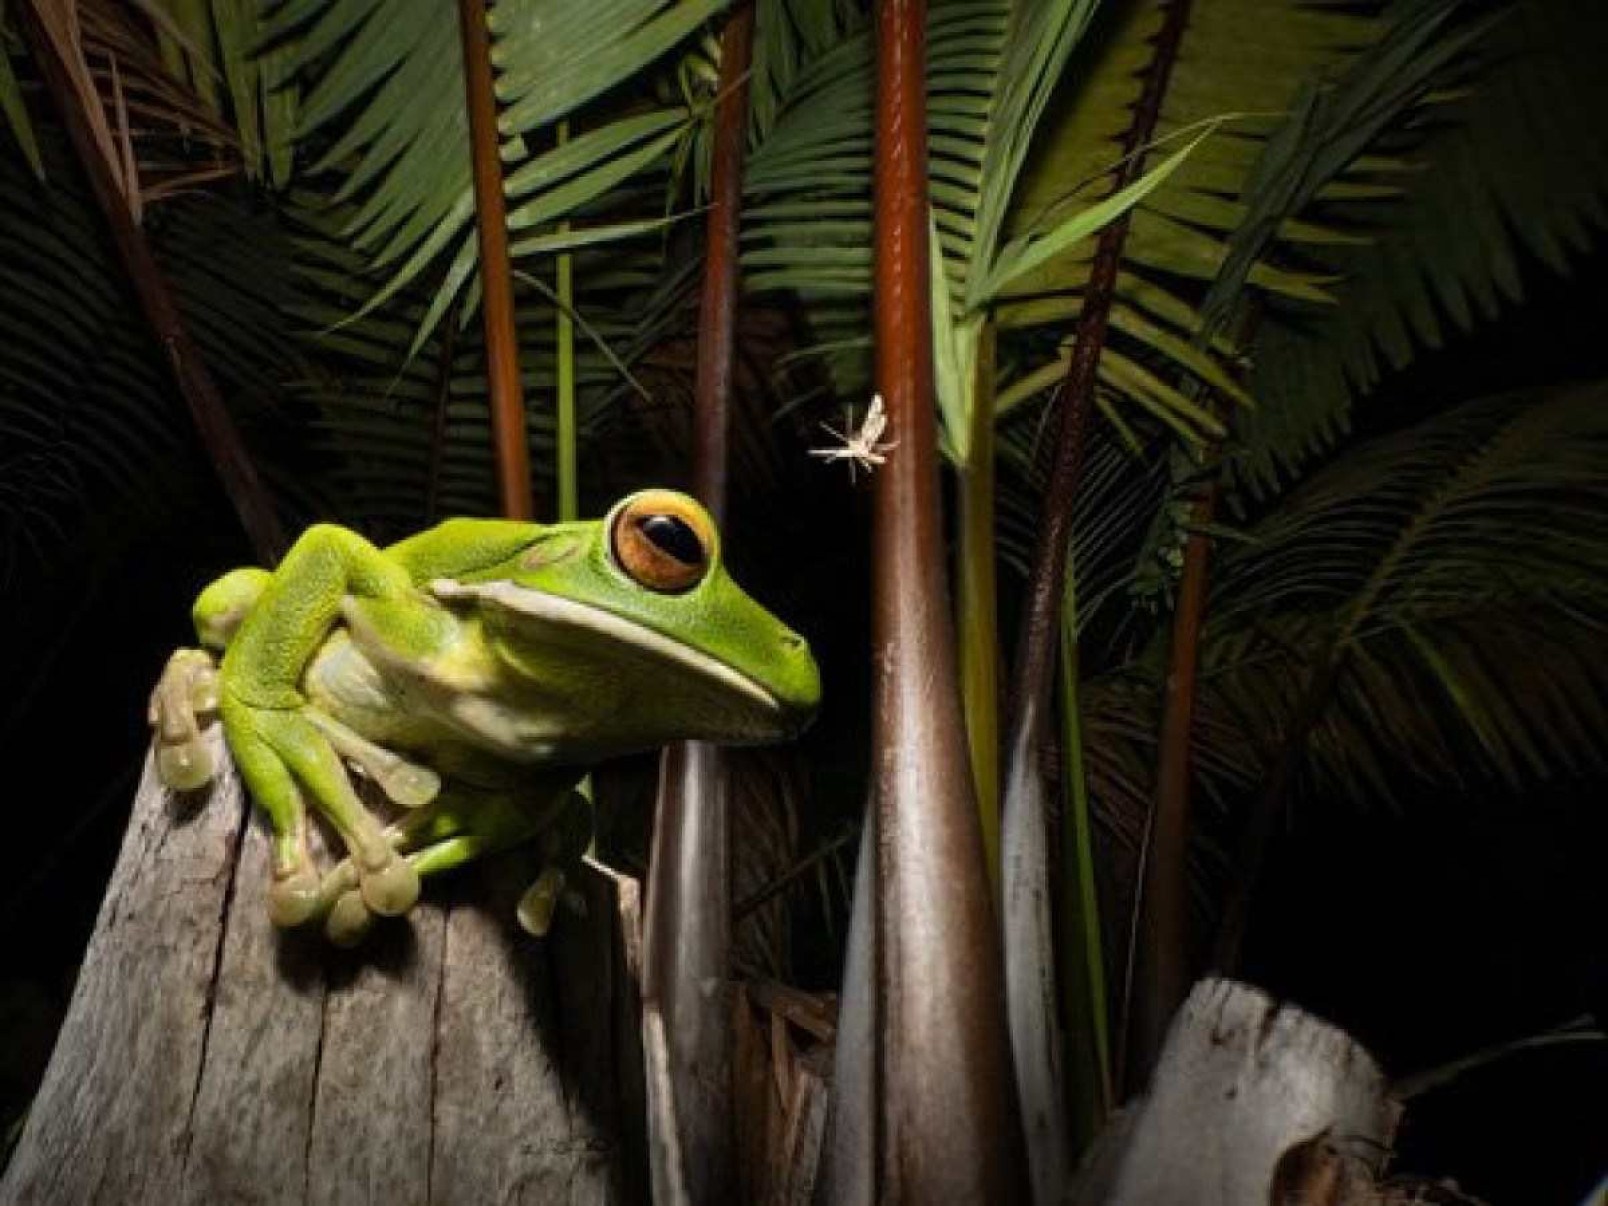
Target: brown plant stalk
509 445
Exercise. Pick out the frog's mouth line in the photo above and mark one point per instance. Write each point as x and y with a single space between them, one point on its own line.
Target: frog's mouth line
606 624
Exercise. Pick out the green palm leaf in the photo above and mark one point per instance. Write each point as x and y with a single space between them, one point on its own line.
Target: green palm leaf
1246 60
991 69
1454 579
1485 188
384 103
12 107
93 438
221 42
403 431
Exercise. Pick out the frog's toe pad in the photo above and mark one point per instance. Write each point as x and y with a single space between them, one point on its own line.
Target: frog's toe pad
349 921
392 889
186 766
294 899
411 786
535 911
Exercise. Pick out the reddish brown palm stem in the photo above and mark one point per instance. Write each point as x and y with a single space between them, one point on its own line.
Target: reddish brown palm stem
717 307
1024 820
1162 976
509 445
221 439
1162 959
1074 401
944 1129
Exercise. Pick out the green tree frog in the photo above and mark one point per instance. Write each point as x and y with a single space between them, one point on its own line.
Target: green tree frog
473 672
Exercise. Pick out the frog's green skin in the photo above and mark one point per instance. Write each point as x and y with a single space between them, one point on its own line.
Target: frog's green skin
474 671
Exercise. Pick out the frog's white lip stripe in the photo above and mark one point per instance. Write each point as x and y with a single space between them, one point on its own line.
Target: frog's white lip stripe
579 615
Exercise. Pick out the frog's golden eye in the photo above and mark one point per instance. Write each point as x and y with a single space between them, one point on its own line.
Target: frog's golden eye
663 541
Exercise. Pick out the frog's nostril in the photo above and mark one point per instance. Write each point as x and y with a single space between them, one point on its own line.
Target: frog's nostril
792 642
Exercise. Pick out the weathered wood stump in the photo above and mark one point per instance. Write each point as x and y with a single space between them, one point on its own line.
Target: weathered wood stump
208 1058
1252 1103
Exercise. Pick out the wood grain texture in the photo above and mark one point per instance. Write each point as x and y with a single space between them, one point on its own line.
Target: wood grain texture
1250 1097
208 1058
780 1101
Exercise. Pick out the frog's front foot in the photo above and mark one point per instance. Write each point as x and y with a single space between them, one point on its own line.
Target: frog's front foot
187 690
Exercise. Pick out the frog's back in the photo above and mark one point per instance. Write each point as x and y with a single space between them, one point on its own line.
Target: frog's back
462 546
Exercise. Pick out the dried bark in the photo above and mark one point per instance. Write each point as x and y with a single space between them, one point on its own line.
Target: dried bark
780 1089
209 1058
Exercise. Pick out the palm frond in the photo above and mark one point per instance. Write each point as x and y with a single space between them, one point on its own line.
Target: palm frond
1513 170
1330 127
1240 66
223 49
991 69
12 106
1444 585
384 103
1061 78
92 426
787 35
391 448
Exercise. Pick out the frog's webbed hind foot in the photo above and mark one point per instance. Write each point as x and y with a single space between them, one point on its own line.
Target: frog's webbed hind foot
283 752
347 898
294 897
347 917
187 690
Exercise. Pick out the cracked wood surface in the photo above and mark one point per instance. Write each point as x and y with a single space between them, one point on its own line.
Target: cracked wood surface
1252 1101
208 1058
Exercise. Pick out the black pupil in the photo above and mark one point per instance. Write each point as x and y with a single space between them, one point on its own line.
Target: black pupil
673 536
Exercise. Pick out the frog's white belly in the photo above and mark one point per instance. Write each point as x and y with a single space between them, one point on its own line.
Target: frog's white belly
400 705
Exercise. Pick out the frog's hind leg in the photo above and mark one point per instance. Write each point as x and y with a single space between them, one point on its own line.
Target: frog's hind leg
223 606
273 626
293 896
